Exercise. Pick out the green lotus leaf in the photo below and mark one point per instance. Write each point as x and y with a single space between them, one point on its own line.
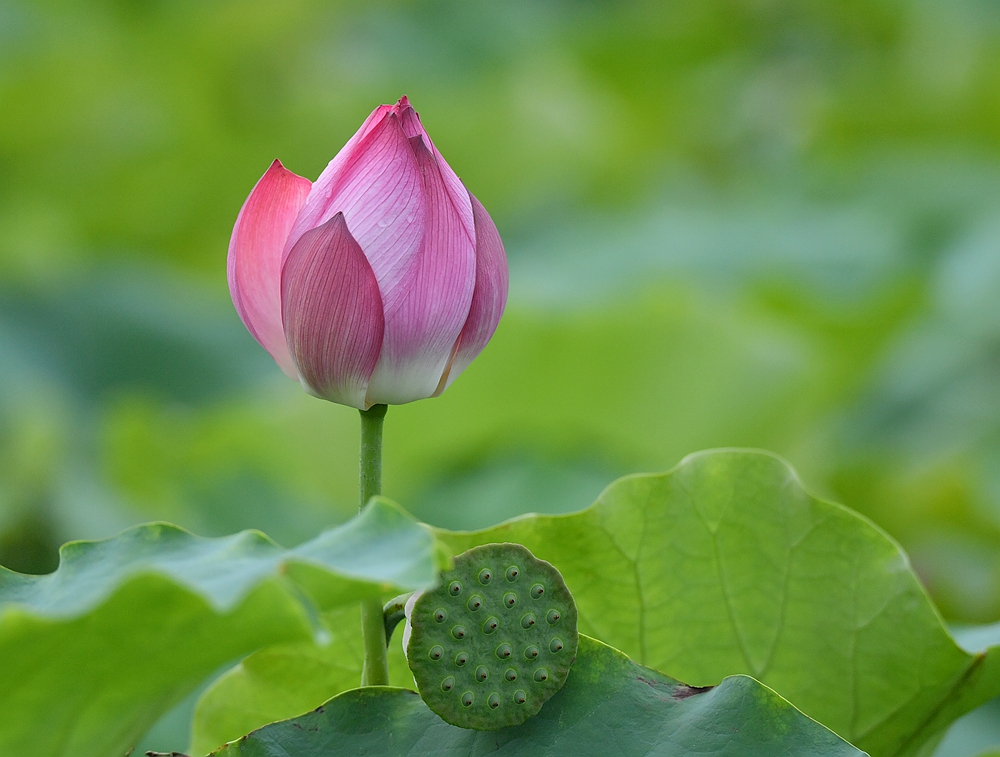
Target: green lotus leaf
723 566
726 565
609 705
92 654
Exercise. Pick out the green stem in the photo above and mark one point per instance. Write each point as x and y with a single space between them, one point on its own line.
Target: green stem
376 668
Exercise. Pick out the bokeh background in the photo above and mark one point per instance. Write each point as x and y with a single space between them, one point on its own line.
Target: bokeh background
764 223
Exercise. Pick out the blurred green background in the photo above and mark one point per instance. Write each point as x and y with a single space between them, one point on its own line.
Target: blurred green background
729 223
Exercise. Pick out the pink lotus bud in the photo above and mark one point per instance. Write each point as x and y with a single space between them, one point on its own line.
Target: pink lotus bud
379 283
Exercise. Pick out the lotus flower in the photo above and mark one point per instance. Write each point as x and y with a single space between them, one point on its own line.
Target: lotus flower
378 283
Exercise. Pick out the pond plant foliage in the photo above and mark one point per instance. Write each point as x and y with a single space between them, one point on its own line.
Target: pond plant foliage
795 625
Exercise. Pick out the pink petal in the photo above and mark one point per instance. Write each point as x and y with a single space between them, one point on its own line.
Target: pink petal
431 301
412 127
379 190
408 118
488 299
317 208
332 313
255 250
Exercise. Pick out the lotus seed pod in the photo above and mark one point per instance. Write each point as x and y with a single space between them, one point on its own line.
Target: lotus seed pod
495 640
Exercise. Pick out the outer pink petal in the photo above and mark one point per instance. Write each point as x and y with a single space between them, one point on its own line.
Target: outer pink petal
255 251
431 302
488 299
412 127
317 207
332 313
380 193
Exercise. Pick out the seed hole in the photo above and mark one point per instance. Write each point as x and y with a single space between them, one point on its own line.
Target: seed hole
448 684
455 588
475 602
491 625
436 652
556 645
536 591
468 698
459 632
553 617
440 615
504 651
510 675
509 599
528 620
461 659
485 576
541 675
512 573
531 653
482 673
519 697
493 701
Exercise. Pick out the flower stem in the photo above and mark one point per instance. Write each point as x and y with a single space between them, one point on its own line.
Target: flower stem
376 668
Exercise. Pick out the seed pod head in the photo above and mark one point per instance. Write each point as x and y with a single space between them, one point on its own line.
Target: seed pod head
505 645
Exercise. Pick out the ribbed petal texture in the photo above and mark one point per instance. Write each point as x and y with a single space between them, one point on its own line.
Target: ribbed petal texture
431 302
255 250
332 313
489 297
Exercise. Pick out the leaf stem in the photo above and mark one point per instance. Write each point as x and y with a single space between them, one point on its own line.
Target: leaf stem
376 667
